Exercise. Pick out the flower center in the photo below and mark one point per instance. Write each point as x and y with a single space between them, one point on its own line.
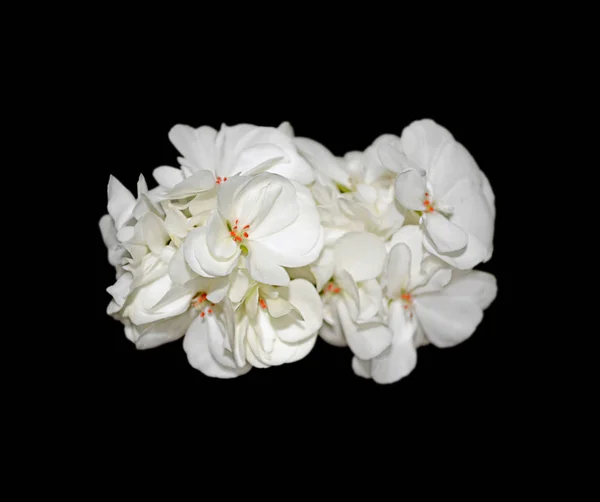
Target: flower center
238 235
428 204
202 305
332 288
407 300
262 303
220 180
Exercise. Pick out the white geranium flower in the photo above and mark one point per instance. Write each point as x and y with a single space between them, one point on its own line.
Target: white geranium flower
270 221
427 301
354 193
210 158
441 182
271 326
352 299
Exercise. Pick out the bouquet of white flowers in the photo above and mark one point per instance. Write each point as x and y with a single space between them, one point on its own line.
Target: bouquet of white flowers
260 241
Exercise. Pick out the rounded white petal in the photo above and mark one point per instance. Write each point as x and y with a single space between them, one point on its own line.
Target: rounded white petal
304 297
444 235
400 358
361 368
322 160
472 285
162 332
167 177
365 340
263 268
199 258
361 254
200 181
333 334
410 190
447 321
423 141
179 270
197 146
204 345
300 242
397 270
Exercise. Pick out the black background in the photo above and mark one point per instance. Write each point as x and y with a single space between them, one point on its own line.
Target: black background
346 114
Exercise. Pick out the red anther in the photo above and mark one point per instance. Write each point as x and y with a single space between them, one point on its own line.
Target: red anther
202 314
336 290
426 202
232 233
245 234
430 209
237 221
238 239
210 311
426 194
247 226
405 306
225 179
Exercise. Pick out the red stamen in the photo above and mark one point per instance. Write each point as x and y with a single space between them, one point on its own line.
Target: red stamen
247 226
225 179
238 239
426 202
232 233
237 221
405 306
426 194
202 314
210 311
245 234
336 290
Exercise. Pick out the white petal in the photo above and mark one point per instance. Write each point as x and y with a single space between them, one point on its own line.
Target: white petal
300 242
142 309
365 340
349 292
443 234
473 285
370 296
323 268
240 282
304 297
361 254
410 190
120 202
435 282
400 358
108 231
423 141
121 288
396 161
268 203
361 368
217 289
175 223
196 145
263 268
256 159
179 270
286 128
218 238
447 321
154 233
167 176
398 268
196 346
302 349
322 160
162 332
198 182
333 334
199 259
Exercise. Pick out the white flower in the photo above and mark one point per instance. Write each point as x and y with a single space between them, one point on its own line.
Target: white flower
271 326
210 158
270 221
427 301
354 193
441 182
352 300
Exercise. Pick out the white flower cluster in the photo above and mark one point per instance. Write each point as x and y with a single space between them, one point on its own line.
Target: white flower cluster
260 241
